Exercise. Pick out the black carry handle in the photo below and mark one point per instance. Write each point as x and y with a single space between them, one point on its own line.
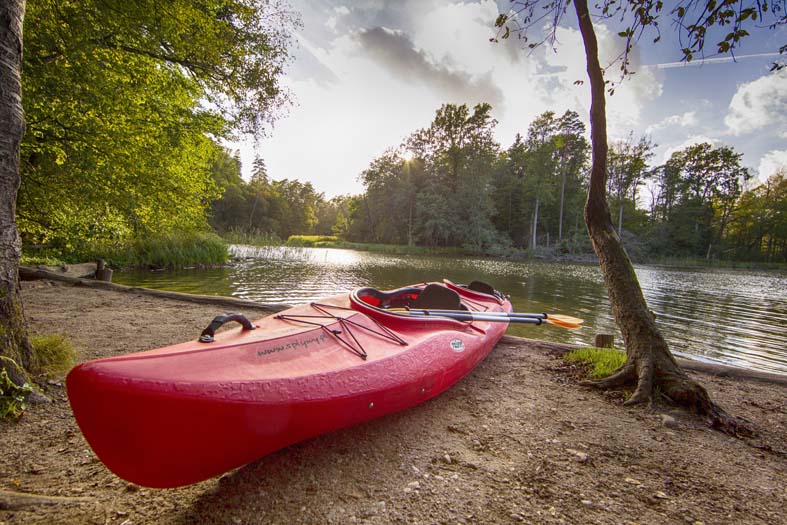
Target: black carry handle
207 334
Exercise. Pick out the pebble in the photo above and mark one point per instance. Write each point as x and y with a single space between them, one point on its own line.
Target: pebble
668 421
414 485
587 503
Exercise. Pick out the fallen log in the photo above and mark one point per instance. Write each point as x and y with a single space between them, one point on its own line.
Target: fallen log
32 274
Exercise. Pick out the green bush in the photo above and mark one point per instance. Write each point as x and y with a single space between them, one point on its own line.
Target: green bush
601 362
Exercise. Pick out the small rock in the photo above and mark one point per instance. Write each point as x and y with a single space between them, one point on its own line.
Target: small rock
581 456
668 421
132 488
517 517
660 495
633 481
127 522
414 485
447 458
587 503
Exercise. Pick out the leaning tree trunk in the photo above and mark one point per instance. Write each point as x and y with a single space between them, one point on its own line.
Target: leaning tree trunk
16 354
649 362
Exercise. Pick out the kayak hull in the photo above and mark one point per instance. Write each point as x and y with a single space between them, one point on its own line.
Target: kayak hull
182 414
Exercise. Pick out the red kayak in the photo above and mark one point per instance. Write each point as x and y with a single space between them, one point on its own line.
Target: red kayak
187 412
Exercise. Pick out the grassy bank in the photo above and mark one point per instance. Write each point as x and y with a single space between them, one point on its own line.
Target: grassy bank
159 252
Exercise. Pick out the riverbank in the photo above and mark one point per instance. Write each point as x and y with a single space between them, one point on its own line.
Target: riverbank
515 441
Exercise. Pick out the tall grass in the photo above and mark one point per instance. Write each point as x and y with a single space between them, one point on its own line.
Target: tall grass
170 251
55 352
255 238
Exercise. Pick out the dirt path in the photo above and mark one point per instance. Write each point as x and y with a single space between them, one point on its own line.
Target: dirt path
514 442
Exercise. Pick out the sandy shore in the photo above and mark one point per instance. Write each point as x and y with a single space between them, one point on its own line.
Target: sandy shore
516 441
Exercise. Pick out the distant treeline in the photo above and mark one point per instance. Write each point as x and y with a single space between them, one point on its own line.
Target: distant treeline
453 185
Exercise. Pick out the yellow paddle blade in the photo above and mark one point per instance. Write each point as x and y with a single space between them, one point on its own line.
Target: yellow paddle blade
565 318
563 324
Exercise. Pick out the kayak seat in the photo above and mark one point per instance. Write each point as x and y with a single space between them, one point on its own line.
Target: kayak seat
433 296
436 297
481 286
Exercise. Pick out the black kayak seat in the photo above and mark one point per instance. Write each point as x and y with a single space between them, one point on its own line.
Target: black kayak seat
437 297
481 286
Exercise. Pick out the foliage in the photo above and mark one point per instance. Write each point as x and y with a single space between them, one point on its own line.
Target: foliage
123 101
601 362
55 353
12 396
35 260
263 208
160 251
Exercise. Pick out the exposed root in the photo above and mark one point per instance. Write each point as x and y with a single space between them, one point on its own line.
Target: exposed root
622 377
666 381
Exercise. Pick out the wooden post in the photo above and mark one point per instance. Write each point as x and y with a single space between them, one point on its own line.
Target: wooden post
102 272
604 341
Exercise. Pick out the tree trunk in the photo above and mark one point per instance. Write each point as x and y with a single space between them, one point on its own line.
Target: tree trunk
649 362
534 239
16 354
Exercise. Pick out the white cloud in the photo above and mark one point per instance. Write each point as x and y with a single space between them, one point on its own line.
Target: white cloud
694 139
759 104
770 163
685 120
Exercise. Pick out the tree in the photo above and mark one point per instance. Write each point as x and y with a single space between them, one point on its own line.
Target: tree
627 170
541 165
16 353
649 363
87 56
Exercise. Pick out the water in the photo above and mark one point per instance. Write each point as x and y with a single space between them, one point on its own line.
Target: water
728 316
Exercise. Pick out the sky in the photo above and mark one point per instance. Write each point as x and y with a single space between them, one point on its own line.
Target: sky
366 74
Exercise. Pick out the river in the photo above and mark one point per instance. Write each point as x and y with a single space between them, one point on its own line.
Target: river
734 317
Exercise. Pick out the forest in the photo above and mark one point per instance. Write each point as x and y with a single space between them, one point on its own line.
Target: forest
453 185
124 142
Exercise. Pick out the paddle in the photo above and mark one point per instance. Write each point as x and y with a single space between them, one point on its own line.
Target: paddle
511 315
499 317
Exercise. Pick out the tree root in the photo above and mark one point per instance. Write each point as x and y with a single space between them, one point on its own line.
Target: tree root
668 382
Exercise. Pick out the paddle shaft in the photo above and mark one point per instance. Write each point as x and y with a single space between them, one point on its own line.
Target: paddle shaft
509 315
467 316
489 317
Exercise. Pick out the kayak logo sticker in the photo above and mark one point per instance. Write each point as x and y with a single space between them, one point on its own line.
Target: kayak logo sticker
457 345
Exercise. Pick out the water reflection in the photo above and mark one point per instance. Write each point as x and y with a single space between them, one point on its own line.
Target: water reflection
735 317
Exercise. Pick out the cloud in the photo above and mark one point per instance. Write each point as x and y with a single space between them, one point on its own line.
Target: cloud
396 52
771 162
695 139
685 120
759 104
